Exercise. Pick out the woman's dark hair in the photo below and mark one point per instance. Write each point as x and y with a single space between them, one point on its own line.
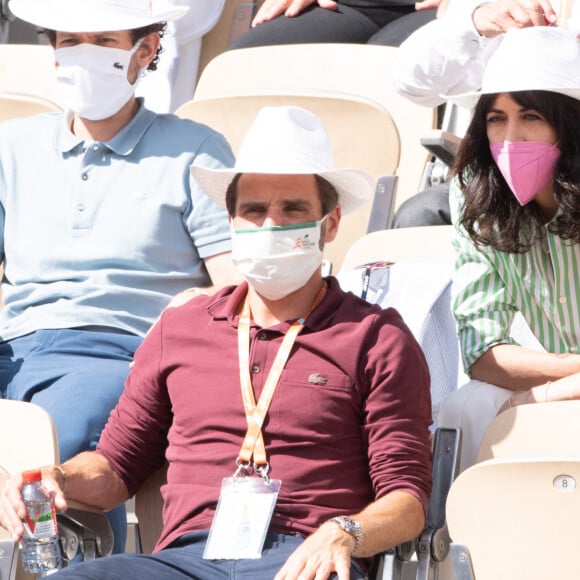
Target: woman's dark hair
326 192
136 34
490 213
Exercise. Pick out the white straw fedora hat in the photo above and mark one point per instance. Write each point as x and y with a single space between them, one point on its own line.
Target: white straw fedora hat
288 141
95 15
540 58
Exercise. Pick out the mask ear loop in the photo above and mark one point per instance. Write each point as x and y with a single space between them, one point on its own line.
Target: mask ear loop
143 70
322 229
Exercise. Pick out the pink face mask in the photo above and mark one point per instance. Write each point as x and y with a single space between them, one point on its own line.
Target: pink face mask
527 166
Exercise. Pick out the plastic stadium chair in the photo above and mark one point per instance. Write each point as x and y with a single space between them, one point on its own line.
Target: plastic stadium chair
516 519
28 440
431 244
29 69
541 429
352 69
410 269
512 513
17 105
362 134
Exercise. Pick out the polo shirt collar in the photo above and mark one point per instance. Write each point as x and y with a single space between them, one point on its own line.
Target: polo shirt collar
123 143
226 303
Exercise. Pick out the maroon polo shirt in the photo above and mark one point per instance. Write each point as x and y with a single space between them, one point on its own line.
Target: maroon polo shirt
348 422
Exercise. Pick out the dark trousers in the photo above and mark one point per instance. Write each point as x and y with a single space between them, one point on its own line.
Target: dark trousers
387 26
183 561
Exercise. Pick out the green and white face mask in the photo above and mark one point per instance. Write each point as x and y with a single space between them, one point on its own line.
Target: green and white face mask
278 260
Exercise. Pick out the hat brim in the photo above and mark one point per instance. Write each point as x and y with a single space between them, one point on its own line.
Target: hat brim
354 187
469 100
75 16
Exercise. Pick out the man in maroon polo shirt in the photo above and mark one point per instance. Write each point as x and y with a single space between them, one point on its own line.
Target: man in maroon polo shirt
303 409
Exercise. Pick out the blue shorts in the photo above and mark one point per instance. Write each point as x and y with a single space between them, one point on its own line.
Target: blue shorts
76 375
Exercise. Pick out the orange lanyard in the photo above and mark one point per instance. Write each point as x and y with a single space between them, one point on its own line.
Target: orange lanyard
253 445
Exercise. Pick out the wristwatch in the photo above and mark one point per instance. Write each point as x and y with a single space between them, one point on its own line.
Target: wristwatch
352 527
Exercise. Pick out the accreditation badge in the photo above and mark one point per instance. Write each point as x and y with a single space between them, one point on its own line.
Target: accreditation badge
242 518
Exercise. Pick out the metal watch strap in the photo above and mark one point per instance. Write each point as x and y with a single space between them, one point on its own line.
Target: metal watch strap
352 527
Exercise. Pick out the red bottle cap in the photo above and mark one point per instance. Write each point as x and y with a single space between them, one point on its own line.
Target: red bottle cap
31 476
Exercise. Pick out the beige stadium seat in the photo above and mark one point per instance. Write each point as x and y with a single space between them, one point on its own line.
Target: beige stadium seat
235 19
27 436
29 69
148 509
541 429
362 134
18 105
432 243
416 245
27 440
355 69
516 519
511 514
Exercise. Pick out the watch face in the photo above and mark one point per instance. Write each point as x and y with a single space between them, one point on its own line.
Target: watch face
350 523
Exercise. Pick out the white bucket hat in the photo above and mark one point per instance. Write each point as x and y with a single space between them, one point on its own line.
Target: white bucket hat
288 141
539 58
95 15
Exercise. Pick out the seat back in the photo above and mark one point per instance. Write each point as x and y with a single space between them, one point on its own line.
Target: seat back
432 243
516 518
513 510
363 136
27 436
18 105
29 69
418 284
8 551
27 440
149 509
235 19
542 429
352 69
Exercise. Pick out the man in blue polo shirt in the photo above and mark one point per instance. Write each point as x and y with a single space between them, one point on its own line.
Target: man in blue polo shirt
100 220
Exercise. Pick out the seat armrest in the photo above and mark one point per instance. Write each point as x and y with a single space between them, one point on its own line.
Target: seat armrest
8 552
88 531
443 144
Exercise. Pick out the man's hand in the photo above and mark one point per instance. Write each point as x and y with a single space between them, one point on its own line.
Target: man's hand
326 551
497 17
12 509
271 9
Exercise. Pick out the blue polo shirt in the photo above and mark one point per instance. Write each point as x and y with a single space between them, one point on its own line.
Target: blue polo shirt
104 234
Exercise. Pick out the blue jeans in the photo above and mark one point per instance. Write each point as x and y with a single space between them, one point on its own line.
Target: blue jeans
75 375
183 561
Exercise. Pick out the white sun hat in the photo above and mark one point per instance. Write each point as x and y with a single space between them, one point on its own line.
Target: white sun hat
95 15
288 141
539 58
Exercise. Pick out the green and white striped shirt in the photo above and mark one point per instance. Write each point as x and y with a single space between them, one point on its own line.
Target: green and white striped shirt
489 287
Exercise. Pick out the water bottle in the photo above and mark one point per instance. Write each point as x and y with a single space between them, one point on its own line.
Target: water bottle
39 545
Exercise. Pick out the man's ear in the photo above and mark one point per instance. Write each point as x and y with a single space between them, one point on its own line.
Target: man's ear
332 222
148 49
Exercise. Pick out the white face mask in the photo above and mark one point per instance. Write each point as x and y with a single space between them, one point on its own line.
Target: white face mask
278 260
93 79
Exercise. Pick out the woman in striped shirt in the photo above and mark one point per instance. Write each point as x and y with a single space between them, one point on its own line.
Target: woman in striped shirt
516 203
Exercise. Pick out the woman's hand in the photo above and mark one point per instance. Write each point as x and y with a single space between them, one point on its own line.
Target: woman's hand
271 9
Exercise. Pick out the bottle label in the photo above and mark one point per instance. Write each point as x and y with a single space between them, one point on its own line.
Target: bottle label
39 524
